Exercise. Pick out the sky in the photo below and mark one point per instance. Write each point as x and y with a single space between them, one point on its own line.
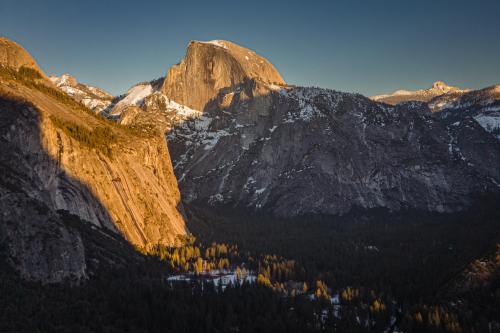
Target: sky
370 47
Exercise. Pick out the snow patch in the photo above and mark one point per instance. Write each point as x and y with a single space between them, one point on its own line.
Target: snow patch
216 42
260 190
215 199
490 123
218 278
212 138
135 96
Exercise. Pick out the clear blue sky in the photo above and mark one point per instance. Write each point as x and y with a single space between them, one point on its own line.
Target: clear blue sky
370 46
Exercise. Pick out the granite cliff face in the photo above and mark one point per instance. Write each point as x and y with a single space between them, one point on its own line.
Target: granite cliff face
211 67
57 155
133 187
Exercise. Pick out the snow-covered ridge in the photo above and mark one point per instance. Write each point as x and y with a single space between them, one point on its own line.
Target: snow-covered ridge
197 131
396 93
438 88
182 110
63 80
147 94
483 105
215 42
134 97
307 107
94 98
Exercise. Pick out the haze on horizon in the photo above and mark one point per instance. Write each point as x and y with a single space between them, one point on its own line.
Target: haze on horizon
355 46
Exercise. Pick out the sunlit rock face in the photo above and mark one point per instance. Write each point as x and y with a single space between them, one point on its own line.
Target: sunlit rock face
132 192
56 156
133 189
15 56
210 67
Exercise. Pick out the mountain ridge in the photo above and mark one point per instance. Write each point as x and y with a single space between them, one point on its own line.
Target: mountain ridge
438 88
92 97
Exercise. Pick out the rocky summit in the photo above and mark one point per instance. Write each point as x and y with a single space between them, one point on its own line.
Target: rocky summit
12 55
94 98
210 68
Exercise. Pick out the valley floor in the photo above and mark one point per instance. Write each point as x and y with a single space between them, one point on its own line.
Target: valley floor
381 272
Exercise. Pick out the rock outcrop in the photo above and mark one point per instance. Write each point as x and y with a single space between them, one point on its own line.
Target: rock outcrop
15 56
211 67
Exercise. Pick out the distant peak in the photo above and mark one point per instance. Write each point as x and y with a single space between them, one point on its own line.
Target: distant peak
440 85
64 80
438 88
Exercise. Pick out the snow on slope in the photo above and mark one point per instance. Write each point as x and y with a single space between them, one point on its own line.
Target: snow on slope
134 97
216 42
94 98
438 88
490 123
483 105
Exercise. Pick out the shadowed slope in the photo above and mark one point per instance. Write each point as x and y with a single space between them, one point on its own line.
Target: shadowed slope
299 151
